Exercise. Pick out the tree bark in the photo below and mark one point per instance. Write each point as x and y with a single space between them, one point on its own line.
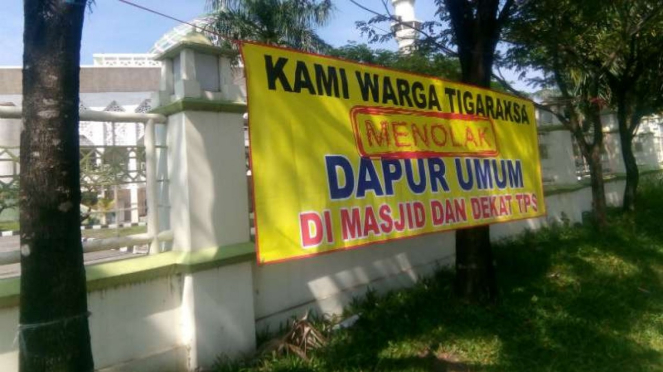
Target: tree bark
632 173
592 153
477 29
475 269
53 331
599 206
630 164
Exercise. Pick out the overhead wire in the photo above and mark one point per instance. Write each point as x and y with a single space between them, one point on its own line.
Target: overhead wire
202 29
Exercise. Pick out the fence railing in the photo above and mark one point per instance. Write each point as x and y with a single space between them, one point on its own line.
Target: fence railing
108 170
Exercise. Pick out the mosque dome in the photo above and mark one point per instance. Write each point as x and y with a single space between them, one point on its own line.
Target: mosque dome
180 32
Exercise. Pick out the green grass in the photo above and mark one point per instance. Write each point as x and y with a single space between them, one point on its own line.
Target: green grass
9 225
97 234
112 233
570 300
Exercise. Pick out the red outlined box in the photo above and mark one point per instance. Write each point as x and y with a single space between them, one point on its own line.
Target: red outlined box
444 120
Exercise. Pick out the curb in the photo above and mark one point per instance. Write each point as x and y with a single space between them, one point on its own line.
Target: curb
90 227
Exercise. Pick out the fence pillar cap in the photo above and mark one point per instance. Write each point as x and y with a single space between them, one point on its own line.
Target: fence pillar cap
194 67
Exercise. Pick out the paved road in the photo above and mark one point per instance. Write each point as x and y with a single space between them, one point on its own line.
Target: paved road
11 243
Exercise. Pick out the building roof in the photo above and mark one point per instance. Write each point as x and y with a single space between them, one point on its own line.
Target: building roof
94 79
178 33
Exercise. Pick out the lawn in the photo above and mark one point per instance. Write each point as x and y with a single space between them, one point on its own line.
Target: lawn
571 299
9 225
96 234
112 233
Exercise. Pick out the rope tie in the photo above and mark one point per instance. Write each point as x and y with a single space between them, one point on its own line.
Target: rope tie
22 328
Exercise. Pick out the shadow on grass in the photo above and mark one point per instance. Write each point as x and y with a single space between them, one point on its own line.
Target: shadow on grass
571 300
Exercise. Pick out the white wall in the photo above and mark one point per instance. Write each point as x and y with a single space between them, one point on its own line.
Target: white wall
8 347
207 179
559 165
560 207
128 322
182 321
327 282
133 321
218 317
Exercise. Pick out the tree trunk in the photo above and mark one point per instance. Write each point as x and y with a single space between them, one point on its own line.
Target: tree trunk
476 70
476 29
592 153
630 164
632 172
475 270
599 207
53 331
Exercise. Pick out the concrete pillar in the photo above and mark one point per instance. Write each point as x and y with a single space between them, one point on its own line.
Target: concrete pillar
209 206
188 64
10 140
613 160
186 85
163 194
166 82
133 197
557 160
645 147
207 176
133 170
229 91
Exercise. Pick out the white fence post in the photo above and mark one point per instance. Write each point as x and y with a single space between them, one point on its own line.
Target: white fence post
208 200
155 235
151 181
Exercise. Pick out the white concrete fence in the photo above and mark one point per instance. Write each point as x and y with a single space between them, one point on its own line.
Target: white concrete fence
204 295
153 235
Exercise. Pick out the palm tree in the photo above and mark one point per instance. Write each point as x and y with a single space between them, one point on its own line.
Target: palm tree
288 23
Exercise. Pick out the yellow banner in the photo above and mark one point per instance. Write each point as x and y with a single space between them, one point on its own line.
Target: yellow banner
344 154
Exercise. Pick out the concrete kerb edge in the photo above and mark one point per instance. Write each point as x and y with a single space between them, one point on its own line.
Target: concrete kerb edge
198 104
112 274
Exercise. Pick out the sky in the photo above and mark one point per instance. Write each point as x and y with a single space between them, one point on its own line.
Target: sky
114 27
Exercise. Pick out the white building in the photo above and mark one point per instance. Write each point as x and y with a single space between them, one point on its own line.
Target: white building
125 82
563 164
115 82
180 310
406 28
